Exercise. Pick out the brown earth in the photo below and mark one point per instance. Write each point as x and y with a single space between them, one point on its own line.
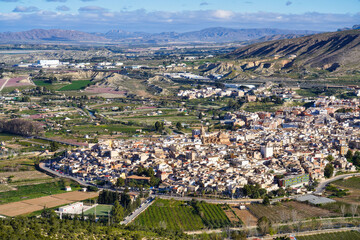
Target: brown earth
247 217
36 204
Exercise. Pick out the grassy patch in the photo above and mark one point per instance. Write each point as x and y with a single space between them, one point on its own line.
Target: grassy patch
8 137
42 83
353 182
76 85
259 107
32 191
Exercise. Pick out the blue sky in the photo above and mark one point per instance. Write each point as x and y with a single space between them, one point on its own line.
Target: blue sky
177 15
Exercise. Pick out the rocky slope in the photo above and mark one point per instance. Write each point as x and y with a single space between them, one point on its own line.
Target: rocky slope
328 50
335 53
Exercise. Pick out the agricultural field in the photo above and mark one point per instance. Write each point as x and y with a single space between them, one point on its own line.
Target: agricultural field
182 216
350 235
288 211
76 85
213 215
246 217
37 204
33 191
101 210
259 106
231 215
25 177
353 185
353 182
170 214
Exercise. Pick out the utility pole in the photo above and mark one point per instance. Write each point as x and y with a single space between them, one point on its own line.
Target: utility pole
108 217
95 210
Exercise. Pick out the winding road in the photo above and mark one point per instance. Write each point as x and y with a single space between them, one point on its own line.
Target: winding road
323 184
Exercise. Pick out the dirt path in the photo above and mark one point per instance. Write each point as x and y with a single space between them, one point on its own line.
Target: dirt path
2 87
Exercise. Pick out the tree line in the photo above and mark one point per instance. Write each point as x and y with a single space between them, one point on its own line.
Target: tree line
21 127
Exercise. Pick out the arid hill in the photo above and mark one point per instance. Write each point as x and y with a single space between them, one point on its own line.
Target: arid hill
328 51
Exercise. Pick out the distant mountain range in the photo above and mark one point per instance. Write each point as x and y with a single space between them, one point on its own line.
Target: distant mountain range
52 35
209 35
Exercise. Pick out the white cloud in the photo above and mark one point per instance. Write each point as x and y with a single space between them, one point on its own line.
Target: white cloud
95 18
223 14
25 9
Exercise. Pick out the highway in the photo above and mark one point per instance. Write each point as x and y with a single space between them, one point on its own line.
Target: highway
323 184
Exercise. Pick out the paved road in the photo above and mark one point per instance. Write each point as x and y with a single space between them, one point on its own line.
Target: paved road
214 201
138 211
323 184
274 225
46 169
62 142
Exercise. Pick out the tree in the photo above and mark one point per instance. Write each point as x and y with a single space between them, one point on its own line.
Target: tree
349 155
179 125
159 126
266 201
329 170
117 212
280 192
54 146
330 158
263 225
120 182
343 209
353 209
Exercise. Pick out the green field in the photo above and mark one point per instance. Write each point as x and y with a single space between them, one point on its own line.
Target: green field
42 83
76 85
178 215
8 136
213 216
32 191
259 106
353 182
350 235
101 210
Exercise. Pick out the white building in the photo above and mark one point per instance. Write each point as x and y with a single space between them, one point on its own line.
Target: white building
267 150
72 208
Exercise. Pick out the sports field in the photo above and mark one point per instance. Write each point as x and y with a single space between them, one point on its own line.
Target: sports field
101 210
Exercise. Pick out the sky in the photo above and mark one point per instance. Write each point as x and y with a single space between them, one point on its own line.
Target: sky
177 15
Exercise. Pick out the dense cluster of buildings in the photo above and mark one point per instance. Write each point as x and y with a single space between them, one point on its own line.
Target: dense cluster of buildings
294 143
210 92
